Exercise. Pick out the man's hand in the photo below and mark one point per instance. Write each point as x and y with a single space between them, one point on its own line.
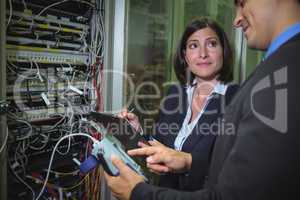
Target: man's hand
161 159
122 185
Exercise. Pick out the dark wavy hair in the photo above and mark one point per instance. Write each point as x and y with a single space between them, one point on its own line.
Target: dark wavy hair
180 66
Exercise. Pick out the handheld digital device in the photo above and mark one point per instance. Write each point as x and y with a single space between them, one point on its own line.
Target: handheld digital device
123 137
101 154
121 129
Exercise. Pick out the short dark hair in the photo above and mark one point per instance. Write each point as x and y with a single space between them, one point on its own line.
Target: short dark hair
180 66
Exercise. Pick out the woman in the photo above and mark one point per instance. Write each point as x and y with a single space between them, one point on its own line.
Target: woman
190 116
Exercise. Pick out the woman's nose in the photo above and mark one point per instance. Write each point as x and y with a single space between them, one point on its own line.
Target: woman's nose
203 52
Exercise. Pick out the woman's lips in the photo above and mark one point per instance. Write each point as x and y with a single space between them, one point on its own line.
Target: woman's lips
205 64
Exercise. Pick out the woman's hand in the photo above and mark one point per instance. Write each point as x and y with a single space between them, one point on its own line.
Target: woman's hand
132 119
161 159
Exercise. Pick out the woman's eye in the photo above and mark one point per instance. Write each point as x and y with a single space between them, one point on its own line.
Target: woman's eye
212 43
192 46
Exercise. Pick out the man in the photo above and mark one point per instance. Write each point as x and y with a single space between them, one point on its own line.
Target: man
261 160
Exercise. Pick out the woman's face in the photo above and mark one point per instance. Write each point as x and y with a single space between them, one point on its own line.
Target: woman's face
204 54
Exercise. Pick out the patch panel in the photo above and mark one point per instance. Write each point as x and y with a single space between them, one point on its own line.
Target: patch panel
22 130
47 27
27 15
50 113
45 43
74 58
36 85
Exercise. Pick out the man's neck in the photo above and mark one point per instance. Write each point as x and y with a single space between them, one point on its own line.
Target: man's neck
289 15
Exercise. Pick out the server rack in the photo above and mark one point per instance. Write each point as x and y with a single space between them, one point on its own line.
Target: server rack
54 54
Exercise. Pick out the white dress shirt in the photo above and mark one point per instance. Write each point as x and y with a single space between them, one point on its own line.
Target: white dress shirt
187 127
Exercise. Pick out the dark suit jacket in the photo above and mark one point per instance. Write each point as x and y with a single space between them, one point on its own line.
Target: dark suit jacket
199 143
260 158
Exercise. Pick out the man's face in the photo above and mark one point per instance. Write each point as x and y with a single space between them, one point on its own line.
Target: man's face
256 18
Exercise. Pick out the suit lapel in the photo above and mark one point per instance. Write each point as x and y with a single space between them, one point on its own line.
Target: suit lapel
180 103
210 115
180 116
